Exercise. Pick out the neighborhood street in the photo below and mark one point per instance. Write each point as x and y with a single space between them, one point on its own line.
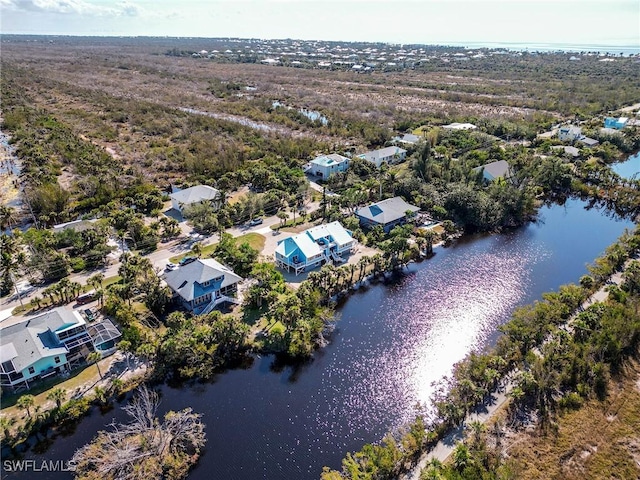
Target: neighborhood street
161 256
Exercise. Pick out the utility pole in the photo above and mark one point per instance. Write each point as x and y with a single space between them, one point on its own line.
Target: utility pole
15 286
324 203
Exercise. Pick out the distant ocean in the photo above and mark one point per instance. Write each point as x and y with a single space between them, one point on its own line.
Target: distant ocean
559 47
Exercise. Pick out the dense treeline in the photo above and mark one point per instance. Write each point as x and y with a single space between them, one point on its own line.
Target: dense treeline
156 142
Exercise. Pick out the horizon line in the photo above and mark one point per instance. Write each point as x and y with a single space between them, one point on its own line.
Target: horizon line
460 44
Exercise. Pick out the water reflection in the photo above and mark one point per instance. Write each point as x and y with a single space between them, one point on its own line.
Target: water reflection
274 420
630 168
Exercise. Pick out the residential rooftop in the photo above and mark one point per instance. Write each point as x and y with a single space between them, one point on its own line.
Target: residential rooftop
195 194
386 211
186 279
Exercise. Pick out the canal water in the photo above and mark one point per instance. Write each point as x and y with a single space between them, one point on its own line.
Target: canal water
9 172
630 168
392 342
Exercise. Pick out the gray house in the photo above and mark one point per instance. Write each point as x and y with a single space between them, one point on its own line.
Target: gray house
182 199
203 285
494 170
387 213
50 344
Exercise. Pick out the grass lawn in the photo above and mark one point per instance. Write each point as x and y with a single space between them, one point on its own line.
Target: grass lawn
111 280
80 377
422 130
255 240
288 224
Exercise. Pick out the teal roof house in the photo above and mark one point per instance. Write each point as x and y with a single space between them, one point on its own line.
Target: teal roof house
617 123
309 249
326 165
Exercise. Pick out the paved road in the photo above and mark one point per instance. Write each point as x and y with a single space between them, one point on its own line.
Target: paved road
159 257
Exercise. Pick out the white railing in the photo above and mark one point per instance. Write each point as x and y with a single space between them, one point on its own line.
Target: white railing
214 303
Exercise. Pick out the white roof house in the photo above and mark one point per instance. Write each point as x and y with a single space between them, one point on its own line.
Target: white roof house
460 126
384 155
408 138
567 149
325 165
182 199
77 225
313 246
569 133
333 230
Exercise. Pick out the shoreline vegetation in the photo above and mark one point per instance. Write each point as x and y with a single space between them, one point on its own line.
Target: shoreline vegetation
87 151
536 346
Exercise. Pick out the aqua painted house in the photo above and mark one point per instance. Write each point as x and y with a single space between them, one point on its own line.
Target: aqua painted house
314 246
617 123
326 165
42 346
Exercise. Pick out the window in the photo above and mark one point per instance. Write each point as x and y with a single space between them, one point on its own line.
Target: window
32 370
56 359
8 366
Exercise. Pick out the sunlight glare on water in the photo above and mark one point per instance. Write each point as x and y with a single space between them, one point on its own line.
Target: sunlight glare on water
442 319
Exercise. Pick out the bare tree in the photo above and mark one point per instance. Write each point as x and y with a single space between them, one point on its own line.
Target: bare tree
145 448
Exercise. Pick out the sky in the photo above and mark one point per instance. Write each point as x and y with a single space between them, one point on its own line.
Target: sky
455 22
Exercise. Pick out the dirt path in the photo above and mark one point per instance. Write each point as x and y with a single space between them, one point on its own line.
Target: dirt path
498 398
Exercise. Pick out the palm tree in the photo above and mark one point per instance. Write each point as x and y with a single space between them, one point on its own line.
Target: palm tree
362 263
429 236
125 346
75 289
26 402
477 429
283 217
352 270
8 217
64 285
433 470
100 395
95 281
95 357
196 249
147 351
57 395
50 292
461 457
116 385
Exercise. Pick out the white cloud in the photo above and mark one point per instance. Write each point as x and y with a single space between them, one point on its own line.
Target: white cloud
75 7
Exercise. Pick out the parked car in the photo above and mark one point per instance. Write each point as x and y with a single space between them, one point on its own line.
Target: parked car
87 297
24 287
171 267
89 314
255 221
187 260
